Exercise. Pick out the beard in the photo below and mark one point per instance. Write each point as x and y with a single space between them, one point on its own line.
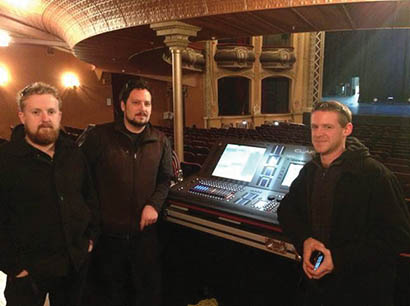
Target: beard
136 123
46 134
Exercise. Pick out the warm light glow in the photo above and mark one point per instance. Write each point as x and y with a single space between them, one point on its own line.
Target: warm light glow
23 4
4 76
4 38
70 80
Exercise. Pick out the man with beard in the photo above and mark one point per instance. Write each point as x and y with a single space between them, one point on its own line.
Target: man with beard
348 206
48 218
132 166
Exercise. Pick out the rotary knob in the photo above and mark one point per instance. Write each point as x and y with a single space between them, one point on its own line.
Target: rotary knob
271 197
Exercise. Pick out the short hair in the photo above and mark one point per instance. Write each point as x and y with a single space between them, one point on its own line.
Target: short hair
130 86
344 113
37 88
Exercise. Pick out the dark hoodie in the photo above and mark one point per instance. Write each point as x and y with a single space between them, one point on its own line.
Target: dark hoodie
369 226
324 183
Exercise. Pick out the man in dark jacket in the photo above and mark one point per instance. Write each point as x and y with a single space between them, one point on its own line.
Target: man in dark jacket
348 206
48 217
132 167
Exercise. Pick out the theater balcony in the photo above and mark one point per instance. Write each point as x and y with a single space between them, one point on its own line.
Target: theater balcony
235 56
193 60
277 58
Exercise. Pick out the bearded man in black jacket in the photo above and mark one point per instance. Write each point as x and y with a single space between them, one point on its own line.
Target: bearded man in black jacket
48 207
132 167
351 208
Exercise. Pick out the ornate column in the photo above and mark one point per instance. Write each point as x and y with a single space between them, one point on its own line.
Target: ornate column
176 38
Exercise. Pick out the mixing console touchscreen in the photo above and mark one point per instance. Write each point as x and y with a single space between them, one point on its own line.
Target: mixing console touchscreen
245 179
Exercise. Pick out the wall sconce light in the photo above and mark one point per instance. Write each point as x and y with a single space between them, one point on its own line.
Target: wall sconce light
4 38
4 76
70 80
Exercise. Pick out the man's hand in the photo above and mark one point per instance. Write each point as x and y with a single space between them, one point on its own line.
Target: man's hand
90 246
23 273
309 246
149 216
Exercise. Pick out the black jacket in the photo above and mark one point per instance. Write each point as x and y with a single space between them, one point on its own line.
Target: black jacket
370 227
128 176
45 223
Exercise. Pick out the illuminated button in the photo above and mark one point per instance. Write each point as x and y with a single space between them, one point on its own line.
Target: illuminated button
273 160
260 205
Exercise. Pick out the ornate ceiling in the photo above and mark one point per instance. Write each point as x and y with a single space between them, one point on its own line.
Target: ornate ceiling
107 33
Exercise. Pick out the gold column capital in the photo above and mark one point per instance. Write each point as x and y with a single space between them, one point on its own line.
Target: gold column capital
176 33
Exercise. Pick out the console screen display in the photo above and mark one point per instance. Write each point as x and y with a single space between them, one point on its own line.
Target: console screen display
291 174
239 162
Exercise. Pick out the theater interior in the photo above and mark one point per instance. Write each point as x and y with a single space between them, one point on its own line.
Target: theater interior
222 73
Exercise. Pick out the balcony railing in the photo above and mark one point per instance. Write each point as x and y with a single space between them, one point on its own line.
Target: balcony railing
278 58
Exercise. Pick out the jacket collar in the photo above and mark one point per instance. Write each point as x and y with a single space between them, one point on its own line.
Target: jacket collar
148 135
22 148
352 158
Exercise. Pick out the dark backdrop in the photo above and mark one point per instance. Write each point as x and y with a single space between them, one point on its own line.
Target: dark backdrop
275 95
381 59
233 96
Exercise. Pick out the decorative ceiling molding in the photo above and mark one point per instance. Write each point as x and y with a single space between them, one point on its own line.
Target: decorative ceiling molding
75 21
107 32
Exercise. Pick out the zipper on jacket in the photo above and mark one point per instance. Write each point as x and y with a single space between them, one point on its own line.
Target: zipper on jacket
133 154
134 194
